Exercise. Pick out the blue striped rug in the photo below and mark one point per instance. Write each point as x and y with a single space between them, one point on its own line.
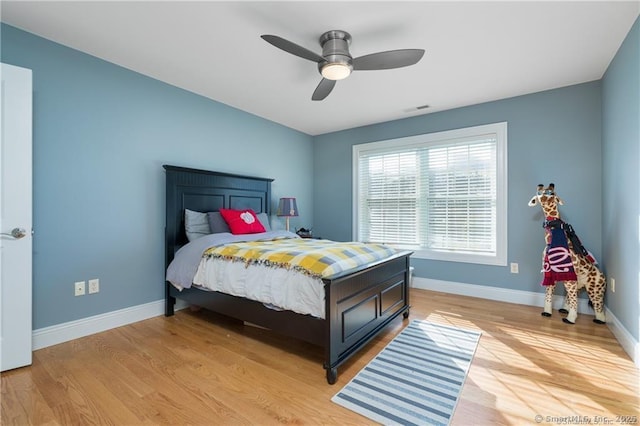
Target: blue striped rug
416 379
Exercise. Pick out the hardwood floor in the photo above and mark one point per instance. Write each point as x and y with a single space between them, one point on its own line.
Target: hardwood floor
202 368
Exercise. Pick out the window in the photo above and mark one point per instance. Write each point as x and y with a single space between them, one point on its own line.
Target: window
443 195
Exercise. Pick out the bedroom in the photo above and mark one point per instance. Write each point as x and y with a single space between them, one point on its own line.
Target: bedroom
102 134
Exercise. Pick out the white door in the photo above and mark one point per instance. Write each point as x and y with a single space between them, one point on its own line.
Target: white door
15 218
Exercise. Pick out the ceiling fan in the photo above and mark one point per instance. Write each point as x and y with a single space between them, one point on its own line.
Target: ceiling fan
336 63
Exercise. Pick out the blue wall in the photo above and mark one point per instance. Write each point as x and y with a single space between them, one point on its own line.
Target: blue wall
553 136
621 180
101 135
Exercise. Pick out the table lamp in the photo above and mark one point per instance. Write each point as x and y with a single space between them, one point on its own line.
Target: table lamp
287 207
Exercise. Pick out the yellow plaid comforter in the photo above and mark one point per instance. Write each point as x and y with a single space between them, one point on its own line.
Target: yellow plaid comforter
318 258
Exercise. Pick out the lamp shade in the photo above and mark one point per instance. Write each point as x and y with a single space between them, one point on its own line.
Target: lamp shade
287 207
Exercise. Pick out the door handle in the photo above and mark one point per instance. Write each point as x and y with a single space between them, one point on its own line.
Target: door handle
16 233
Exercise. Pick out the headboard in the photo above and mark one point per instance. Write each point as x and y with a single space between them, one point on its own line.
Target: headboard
207 191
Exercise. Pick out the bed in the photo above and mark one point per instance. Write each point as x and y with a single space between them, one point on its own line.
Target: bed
359 303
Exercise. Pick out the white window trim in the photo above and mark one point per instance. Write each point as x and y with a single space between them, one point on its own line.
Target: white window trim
500 129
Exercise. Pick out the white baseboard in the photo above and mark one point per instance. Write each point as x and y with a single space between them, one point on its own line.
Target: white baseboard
628 343
60 333
626 340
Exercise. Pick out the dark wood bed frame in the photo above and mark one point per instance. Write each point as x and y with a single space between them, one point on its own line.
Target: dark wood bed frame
359 304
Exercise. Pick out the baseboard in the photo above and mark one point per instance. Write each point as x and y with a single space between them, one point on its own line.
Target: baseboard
60 333
530 298
520 297
628 343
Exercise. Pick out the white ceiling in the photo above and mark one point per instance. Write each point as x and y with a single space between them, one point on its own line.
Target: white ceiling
475 51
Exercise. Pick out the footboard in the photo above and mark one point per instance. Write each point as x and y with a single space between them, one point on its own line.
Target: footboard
361 304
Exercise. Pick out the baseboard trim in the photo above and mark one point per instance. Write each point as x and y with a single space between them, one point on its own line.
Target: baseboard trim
626 340
60 333
530 298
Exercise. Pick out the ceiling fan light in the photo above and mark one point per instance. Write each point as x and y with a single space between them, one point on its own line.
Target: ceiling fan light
336 71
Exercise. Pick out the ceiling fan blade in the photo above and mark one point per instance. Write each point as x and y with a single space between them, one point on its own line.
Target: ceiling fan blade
388 60
292 48
324 88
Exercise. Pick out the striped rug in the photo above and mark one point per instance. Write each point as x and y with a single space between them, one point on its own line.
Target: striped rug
416 379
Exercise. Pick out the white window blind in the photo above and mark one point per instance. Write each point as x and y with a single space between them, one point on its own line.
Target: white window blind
442 195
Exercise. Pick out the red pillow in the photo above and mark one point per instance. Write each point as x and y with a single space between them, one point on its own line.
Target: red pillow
242 221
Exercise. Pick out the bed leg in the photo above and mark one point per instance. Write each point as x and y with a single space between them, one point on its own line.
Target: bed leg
169 301
332 375
169 304
405 314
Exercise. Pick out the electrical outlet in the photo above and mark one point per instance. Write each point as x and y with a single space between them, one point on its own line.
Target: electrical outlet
612 283
514 268
79 288
94 286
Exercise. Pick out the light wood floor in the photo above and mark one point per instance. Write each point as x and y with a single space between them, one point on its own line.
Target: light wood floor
200 368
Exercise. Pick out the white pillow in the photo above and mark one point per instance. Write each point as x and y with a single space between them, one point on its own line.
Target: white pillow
264 220
196 224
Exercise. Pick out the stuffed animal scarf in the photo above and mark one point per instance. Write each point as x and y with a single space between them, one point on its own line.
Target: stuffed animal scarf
557 265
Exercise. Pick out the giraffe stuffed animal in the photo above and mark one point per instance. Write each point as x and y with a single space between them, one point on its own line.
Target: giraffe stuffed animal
564 259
